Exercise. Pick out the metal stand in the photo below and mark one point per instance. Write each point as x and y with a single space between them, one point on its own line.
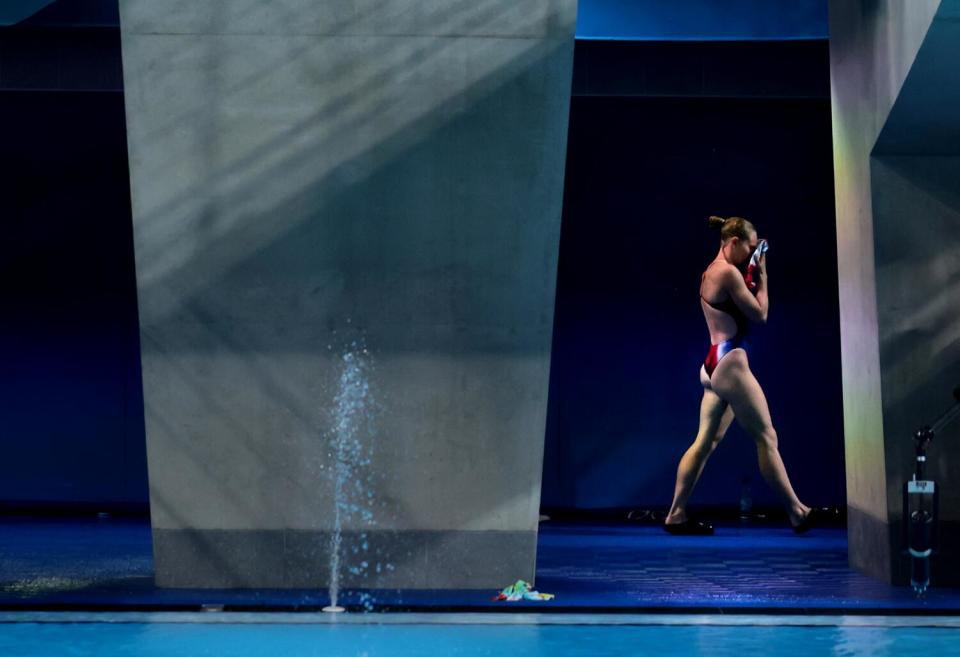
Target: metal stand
920 504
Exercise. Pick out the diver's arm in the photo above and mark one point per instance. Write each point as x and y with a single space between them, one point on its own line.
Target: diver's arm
756 307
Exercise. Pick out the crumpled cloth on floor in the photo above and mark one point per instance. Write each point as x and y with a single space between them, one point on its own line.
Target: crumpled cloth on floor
521 590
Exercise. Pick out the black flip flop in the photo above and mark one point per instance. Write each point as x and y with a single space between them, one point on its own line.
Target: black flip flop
689 528
816 517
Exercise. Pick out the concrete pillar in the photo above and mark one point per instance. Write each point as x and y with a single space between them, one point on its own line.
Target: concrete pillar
895 143
351 199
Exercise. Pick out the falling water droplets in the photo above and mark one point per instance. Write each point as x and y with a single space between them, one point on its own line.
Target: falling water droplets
351 456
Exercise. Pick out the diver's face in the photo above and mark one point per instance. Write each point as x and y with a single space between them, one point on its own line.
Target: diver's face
742 249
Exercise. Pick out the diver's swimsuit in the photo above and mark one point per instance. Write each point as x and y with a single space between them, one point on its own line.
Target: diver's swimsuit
738 341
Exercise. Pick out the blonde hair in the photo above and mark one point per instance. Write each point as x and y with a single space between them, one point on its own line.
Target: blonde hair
731 227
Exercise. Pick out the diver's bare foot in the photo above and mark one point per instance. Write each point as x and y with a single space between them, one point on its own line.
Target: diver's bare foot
675 518
798 513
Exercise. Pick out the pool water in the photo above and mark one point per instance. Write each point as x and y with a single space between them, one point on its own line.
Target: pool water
500 635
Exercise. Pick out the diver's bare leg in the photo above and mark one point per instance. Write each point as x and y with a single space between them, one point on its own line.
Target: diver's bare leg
735 383
715 418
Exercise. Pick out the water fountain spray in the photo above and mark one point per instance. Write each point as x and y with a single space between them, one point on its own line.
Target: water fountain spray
352 408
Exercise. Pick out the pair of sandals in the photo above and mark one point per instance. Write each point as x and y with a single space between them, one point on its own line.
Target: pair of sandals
816 517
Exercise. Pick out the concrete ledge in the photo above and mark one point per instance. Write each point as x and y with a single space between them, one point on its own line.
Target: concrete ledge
294 558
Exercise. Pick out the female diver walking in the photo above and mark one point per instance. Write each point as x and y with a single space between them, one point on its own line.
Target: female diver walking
729 387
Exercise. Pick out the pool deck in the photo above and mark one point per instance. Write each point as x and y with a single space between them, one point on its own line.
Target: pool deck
90 564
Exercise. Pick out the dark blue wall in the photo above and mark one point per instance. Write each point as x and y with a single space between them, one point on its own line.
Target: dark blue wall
70 395
63 13
71 406
644 170
699 20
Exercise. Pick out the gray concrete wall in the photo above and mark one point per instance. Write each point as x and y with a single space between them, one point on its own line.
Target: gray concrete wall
916 201
311 180
897 247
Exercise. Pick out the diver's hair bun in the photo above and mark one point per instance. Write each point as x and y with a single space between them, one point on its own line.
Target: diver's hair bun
731 227
716 222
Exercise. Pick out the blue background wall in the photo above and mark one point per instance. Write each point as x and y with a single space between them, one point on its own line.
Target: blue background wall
71 406
702 20
662 136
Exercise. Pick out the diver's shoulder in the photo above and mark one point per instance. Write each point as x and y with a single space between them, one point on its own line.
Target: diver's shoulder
721 269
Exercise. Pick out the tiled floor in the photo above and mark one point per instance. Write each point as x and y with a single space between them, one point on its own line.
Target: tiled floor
594 567
737 568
